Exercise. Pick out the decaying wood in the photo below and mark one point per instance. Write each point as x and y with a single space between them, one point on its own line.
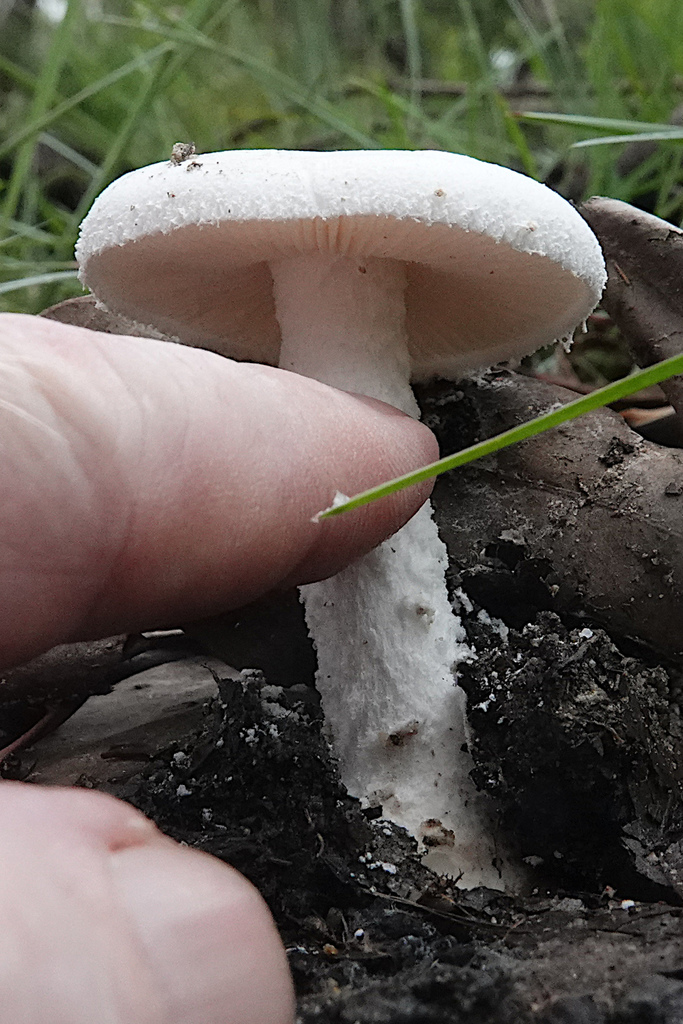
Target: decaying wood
644 293
73 671
587 518
37 697
68 671
83 311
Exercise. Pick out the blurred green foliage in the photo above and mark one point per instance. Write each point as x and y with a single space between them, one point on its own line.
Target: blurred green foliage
92 88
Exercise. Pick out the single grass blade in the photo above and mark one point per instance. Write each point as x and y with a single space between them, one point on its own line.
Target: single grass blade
518 138
411 38
60 147
587 403
607 124
33 231
672 134
28 282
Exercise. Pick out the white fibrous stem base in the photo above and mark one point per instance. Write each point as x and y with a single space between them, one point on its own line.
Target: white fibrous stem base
397 716
386 636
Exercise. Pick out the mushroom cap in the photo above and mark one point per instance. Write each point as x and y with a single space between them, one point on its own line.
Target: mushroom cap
497 264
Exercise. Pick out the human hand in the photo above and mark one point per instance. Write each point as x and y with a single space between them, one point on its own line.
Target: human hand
145 483
102 918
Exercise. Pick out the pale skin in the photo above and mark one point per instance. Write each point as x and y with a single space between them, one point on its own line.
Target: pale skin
144 484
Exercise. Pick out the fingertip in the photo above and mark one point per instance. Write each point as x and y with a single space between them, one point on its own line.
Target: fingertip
208 934
376 445
97 817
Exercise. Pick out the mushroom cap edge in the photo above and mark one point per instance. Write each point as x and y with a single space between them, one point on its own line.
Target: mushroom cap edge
498 263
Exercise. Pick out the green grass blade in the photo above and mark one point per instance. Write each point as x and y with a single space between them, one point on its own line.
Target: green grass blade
22 78
68 153
28 282
37 266
35 126
610 140
33 232
413 53
607 124
45 90
565 51
587 403
518 139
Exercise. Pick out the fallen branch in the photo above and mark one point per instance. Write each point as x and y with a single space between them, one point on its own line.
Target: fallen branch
585 519
644 257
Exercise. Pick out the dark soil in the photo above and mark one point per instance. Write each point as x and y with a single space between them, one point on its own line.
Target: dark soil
571 737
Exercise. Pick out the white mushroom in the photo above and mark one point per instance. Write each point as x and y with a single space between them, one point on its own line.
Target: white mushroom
364 270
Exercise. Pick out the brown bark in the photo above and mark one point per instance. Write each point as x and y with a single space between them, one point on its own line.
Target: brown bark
83 311
76 671
587 518
644 292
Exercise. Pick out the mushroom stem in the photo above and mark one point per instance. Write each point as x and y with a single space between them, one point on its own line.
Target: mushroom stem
386 636
343 321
